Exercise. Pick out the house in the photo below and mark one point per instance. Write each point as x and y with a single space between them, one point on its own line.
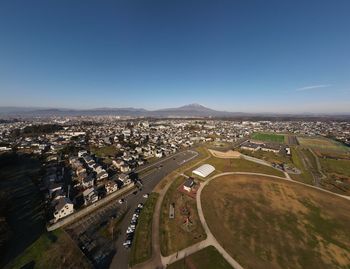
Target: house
90 196
88 181
125 179
188 184
63 208
125 168
118 163
101 175
111 186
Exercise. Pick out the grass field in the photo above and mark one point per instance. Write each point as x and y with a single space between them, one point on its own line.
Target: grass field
297 158
324 146
104 151
208 257
51 250
268 156
25 207
142 246
269 223
238 165
173 233
268 137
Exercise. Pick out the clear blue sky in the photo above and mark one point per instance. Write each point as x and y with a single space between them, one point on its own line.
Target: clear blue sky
278 56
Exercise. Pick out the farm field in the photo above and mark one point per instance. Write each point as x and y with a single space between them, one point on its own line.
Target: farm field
142 246
208 257
270 223
174 233
268 137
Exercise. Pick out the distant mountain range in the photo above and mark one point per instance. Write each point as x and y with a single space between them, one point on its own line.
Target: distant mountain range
187 111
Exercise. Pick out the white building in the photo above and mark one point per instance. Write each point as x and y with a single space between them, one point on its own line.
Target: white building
63 208
204 170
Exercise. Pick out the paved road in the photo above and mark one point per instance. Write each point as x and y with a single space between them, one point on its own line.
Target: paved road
157 260
149 180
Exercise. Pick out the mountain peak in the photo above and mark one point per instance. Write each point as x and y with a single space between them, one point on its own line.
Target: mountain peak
193 105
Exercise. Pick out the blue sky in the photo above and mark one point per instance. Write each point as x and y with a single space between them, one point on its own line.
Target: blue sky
252 56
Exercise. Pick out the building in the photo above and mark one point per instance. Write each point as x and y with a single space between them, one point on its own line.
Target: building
188 184
204 170
63 208
90 196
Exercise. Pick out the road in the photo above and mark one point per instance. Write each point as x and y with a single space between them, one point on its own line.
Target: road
150 180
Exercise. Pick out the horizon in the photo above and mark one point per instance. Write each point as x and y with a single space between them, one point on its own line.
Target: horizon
272 57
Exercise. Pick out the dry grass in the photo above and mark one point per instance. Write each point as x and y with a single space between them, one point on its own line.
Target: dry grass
238 165
269 223
173 234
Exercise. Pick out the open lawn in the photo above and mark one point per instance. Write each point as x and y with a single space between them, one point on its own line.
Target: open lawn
299 162
270 223
270 157
238 165
142 246
107 151
208 257
324 146
174 233
268 137
52 250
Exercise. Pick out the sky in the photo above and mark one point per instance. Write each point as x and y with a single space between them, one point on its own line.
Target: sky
247 56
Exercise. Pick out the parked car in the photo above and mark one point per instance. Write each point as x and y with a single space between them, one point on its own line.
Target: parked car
121 201
145 195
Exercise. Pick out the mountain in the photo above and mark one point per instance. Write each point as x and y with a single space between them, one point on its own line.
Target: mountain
186 111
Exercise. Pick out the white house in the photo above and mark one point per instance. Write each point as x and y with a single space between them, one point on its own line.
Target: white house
63 208
90 196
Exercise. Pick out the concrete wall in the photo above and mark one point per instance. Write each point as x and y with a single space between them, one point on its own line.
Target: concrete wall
86 210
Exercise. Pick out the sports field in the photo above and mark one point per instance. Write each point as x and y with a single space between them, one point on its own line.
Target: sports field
268 137
270 223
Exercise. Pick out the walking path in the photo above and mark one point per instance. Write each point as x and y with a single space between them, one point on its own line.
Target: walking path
159 261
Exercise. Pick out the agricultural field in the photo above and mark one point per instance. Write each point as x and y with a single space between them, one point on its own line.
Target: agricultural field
142 246
185 228
270 223
208 257
51 250
268 137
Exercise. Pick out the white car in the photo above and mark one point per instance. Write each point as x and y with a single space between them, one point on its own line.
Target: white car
121 201
140 205
145 195
127 244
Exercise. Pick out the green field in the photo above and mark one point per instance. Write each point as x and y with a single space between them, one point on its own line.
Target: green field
270 223
208 257
268 137
141 249
51 250
238 165
341 167
324 145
